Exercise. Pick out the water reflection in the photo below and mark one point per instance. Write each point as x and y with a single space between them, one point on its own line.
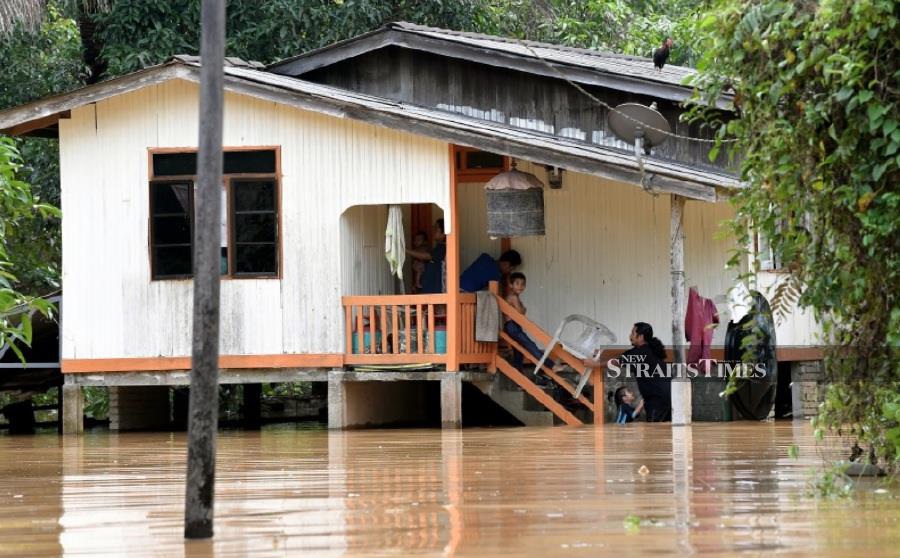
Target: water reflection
709 488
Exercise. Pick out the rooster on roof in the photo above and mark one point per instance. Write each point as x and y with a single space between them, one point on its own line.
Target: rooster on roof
661 54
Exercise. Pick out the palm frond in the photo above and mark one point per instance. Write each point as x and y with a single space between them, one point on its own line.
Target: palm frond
29 14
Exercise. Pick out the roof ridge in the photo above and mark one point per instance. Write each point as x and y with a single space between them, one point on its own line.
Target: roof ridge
408 26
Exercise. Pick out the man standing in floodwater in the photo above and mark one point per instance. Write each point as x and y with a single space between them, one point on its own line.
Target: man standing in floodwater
646 362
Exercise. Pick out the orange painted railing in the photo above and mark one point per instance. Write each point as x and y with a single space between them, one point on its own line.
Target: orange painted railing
470 350
395 329
560 355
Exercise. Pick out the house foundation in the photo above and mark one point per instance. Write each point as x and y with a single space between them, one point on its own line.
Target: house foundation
72 409
807 388
138 407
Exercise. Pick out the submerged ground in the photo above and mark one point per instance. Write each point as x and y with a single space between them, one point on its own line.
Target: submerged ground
717 489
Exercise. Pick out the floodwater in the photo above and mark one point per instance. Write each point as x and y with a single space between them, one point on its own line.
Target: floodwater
711 489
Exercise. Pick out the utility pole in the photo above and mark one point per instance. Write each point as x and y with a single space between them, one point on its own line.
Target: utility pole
204 397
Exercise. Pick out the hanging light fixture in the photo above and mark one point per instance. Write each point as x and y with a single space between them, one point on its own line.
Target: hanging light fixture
515 204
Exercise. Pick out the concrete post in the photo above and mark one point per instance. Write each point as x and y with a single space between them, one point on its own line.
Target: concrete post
337 400
451 402
73 409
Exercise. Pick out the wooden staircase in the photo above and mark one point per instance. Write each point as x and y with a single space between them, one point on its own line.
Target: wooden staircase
525 381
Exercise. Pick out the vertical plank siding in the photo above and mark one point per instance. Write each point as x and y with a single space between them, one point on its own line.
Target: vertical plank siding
328 166
606 254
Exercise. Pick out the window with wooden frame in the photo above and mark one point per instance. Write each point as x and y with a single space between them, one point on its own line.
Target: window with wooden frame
473 165
251 220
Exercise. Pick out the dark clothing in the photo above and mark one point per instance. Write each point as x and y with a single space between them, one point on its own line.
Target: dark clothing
626 414
433 277
515 331
652 381
481 272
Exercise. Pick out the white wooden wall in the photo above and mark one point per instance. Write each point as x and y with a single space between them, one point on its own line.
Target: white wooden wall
606 255
113 310
364 269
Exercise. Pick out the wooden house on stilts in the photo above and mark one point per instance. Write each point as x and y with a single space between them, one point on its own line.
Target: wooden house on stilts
317 149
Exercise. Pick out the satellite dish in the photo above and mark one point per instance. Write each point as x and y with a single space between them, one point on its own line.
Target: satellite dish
640 125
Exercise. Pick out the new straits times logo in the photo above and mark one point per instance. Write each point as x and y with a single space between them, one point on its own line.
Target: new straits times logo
636 366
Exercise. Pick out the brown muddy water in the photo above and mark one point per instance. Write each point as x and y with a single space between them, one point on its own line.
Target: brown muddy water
710 489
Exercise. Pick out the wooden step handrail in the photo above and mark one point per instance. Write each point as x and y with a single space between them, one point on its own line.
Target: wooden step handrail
548 371
533 390
558 351
538 335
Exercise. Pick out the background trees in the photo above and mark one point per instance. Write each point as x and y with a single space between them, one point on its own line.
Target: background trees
816 88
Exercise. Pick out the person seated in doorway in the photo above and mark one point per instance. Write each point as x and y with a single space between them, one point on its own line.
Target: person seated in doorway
433 276
627 410
514 290
645 361
420 244
486 269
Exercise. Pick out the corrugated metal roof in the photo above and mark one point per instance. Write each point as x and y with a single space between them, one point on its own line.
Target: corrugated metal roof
528 144
475 125
620 64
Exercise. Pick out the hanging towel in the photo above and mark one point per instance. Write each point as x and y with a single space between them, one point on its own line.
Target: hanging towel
394 243
487 317
699 323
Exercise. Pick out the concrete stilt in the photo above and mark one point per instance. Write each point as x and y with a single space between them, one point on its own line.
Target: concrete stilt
451 402
336 402
72 409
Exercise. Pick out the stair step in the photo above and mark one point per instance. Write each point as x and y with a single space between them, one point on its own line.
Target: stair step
516 402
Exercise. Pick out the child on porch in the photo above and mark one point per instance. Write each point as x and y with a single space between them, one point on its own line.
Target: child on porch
420 244
514 290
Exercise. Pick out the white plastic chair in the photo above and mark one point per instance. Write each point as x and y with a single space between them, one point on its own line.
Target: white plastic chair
584 342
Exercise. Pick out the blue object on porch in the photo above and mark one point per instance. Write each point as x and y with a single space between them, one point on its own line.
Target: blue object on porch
440 340
367 341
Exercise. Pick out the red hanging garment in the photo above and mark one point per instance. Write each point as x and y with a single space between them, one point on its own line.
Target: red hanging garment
699 325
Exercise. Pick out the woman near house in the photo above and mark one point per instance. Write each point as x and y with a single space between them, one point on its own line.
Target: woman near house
433 276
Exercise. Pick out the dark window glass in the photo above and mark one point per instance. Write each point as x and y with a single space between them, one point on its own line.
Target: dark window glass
172 230
254 195
174 164
173 261
254 228
235 162
483 160
171 198
254 218
256 259
171 239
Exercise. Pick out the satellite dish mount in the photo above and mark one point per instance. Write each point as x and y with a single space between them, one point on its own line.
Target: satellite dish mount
640 125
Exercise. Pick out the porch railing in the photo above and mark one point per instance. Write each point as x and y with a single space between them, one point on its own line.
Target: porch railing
470 350
395 329
409 329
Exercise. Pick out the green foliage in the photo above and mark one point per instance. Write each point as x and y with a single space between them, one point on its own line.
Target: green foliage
625 27
136 33
96 402
815 84
38 62
18 210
